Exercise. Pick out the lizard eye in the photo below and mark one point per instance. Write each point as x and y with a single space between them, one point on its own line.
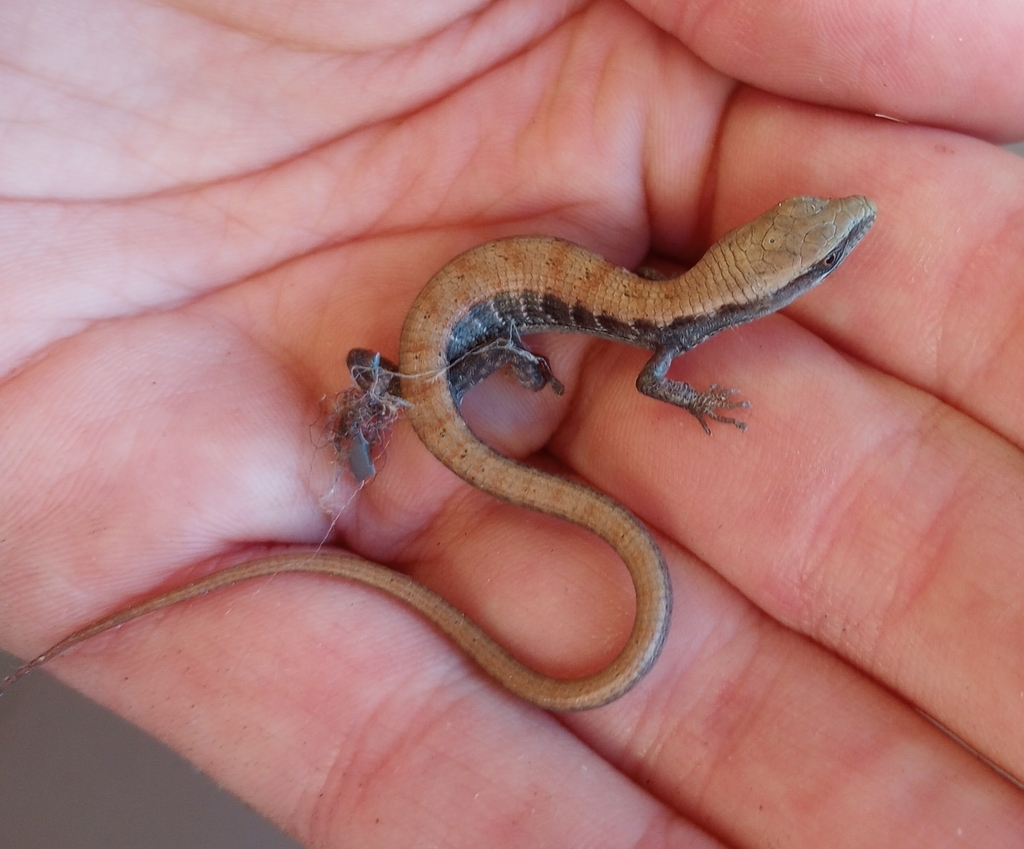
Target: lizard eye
831 259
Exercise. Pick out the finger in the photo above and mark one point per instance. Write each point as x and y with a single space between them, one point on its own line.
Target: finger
251 90
765 738
145 445
937 485
952 66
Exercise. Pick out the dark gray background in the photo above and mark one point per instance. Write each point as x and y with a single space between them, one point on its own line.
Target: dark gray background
74 776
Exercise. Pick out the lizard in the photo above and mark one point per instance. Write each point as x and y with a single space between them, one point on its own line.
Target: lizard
467 323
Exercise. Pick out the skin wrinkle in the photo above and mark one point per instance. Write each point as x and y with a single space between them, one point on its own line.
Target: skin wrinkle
1001 340
837 515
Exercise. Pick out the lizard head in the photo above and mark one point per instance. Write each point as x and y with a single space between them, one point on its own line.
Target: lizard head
794 246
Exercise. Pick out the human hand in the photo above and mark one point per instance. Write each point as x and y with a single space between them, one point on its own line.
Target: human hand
204 216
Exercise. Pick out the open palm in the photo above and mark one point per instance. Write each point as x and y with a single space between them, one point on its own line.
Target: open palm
204 207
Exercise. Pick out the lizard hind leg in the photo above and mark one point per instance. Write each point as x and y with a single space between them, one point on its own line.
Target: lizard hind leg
362 417
483 360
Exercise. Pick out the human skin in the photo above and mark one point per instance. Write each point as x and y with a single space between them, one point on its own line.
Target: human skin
204 206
